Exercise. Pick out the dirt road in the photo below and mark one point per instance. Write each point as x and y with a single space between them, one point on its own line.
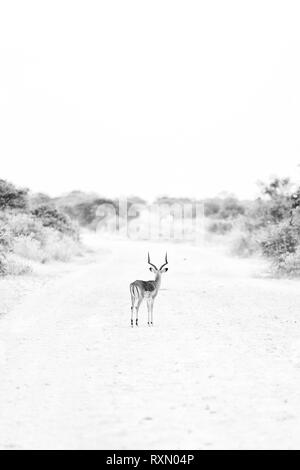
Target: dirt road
220 368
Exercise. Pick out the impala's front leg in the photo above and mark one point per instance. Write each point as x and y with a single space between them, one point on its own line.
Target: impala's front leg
151 310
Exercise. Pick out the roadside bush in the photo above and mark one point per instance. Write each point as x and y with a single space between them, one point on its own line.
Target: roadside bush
32 228
3 265
290 264
219 227
5 238
22 224
12 197
279 201
50 245
224 208
212 207
52 218
270 225
280 241
39 199
60 247
84 208
29 248
243 244
25 235
90 213
16 267
231 208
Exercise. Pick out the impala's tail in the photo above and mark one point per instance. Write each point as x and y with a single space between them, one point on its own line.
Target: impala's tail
134 292
131 293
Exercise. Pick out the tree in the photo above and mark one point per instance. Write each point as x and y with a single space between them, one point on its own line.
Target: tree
39 199
51 217
12 197
277 188
279 202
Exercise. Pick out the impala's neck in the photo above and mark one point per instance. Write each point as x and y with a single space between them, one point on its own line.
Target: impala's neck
158 280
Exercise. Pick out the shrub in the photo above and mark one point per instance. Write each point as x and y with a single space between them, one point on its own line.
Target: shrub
219 227
280 240
33 229
212 207
3 265
60 247
280 199
52 218
12 197
29 248
5 238
231 208
51 245
39 199
22 224
15 267
84 207
270 225
290 264
243 244
87 212
226 208
281 246
26 236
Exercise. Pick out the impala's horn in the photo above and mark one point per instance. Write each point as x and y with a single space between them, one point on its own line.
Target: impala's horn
151 263
166 262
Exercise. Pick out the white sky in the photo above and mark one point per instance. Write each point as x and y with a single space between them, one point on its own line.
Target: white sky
149 97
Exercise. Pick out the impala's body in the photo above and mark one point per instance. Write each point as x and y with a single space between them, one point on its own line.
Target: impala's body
148 290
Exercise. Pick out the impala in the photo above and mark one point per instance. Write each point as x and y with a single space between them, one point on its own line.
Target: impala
148 290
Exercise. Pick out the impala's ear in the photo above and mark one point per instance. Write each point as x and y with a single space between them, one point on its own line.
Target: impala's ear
164 270
152 270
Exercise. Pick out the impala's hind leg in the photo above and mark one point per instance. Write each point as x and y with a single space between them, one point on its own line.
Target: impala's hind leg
132 303
137 310
131 321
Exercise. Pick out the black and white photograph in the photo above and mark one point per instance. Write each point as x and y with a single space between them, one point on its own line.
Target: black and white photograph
149 227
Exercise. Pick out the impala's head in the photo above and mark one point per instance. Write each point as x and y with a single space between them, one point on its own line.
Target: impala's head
162 269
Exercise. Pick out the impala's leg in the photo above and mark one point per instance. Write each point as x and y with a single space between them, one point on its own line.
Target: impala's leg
137 310
132 304
131 315
151 310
